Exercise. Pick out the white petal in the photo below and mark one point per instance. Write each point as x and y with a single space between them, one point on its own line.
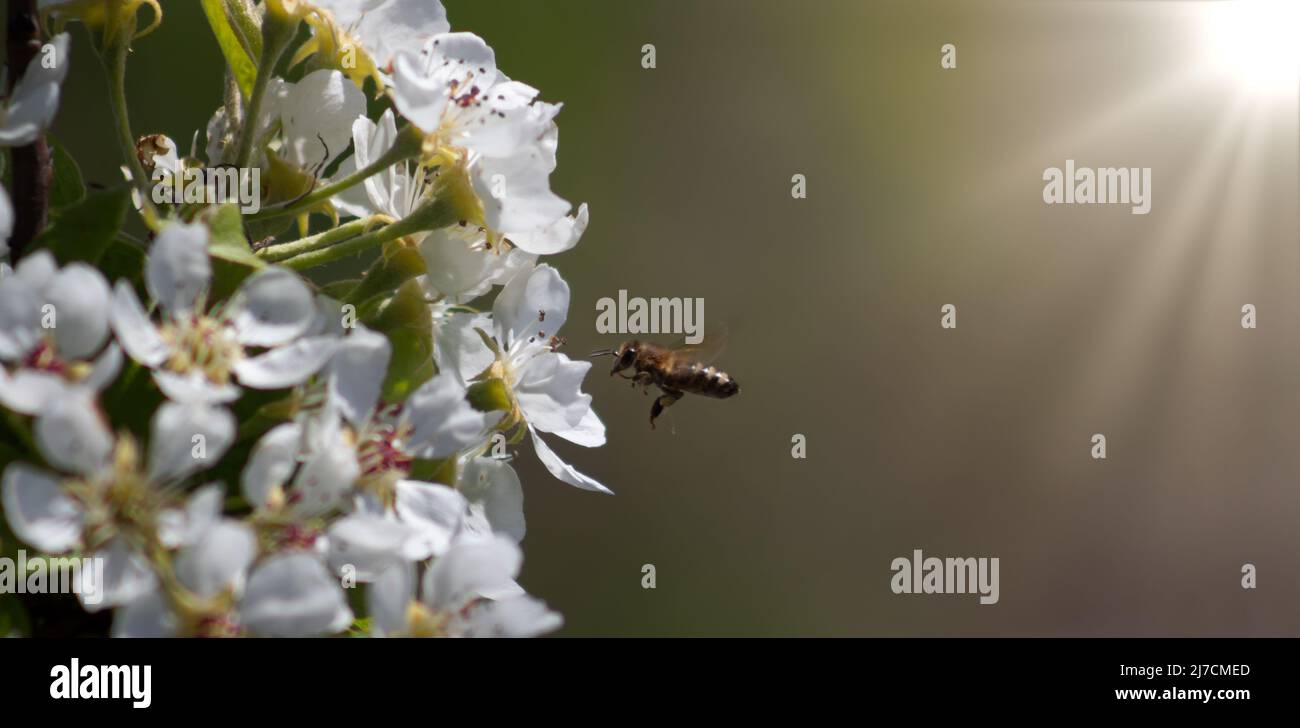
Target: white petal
80 298
460 351
35 98
148 616
557 237
105 369
28 390
20 317
468 571
293 595
134 330
549 392
287 365
516 193
533 301
316 116
178 270
442 420
272 306
389 597
6 222
423 86
218 560
433 510
272 462
357 372
457 263
38 511
590 432
194 387
367 544
326 478
563 470
184 526
72 434
388 28
520 616
188 438
127 576
495 486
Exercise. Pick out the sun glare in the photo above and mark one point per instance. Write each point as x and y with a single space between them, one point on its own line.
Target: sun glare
1258 42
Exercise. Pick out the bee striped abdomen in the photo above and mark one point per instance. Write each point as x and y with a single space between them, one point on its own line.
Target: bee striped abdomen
698 379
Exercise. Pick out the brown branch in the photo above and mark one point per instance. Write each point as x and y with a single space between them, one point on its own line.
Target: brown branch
32 171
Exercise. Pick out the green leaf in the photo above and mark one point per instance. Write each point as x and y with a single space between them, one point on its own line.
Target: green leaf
124 259
233 46
408 324
232 258
84 230
67 187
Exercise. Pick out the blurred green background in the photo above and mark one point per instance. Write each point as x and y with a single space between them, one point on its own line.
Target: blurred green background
924 188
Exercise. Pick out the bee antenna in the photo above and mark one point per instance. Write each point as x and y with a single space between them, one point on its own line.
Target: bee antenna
602 352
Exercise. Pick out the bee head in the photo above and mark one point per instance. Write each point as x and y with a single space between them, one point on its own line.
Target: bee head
624 356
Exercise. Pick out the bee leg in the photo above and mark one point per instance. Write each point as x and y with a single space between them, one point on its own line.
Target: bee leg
663 402
645 379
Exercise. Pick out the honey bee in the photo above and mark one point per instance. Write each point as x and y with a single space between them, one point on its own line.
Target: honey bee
676 371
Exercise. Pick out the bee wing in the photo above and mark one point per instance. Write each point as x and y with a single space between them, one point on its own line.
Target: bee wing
709 348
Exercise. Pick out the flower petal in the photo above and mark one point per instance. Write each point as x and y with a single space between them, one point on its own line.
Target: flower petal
472 570
271 465
433 510
28 390
178 271
80 297
127 576
442 421
519 616
533 301
549 392
38 511
35 99
134 330
218 560
293 595
389 597
494 485
288 365
273 306
20 317
72 435
194 387
148 616
563 470
187 438
356 373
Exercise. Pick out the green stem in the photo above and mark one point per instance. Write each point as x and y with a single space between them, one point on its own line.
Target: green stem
436 214
276 37
407 147
115 56
276 253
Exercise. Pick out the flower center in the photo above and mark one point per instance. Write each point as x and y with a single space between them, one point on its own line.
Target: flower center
202 344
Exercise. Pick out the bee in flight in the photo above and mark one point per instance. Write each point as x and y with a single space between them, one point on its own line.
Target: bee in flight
676 371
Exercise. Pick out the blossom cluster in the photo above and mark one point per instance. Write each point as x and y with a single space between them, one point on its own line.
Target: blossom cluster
250 447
